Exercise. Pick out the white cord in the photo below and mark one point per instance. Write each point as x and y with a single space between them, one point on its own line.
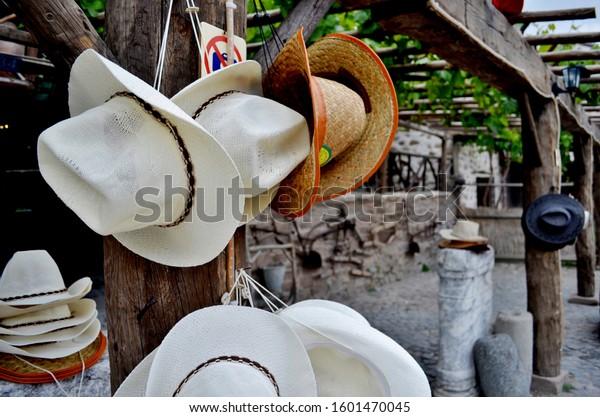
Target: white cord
45 370
193 11
163 50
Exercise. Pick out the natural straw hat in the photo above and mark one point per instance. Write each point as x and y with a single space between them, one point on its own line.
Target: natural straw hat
228 351
351 359
265 139
31 281
49 319
132 164
464 231
346 94
58 349
29 370
553 221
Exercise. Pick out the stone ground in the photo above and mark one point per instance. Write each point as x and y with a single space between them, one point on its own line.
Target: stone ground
407 311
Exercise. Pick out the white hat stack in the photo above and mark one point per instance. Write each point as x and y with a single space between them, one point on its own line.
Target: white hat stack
39 316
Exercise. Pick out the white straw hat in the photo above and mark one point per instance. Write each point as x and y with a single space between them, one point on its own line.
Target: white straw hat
53 350
49 319
59 335
265 139
335 306
32 281
225 351
132 164
464 231
354 360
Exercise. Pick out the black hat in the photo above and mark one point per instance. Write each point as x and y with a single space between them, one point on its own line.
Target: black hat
553 221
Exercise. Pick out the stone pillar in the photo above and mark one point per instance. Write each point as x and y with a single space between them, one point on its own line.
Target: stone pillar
465 310
519 326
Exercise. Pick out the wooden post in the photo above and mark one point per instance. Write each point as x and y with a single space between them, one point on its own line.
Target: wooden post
585 247
540 131
596 195
144 299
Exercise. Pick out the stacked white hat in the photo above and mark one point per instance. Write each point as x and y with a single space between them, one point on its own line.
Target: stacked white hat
40 318
313 348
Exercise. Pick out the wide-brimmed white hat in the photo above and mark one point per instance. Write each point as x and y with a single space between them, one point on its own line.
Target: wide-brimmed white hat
55 349
132 164
353 359
265 139
332 305
31 281
228 351
49 319
464 231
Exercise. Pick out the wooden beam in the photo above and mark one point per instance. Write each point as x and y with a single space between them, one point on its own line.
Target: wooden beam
429 66
18 36
572 55
593 69
554 15
563 38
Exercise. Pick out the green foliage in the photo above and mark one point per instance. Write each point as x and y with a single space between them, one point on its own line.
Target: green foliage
92 9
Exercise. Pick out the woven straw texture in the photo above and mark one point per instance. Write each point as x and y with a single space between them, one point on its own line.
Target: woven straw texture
288 82
15 370
330 57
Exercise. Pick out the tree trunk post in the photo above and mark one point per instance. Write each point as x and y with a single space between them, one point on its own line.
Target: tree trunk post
585 246
596 198
541 162
144 300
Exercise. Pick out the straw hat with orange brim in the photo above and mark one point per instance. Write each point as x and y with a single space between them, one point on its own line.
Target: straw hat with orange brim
346 94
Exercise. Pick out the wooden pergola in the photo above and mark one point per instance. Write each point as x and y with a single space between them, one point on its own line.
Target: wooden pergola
144 300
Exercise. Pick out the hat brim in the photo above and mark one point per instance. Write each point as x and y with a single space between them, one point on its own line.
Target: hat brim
245 77
14 370
547 239
317 326
224 331
57 349
289 82
329 57
335 306
194 241
82 311
448 235
75 292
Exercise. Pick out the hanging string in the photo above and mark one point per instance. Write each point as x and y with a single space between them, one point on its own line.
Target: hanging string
244 286
195 19
278 42
163 50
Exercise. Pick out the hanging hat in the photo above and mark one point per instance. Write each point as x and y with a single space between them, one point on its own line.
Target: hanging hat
553 221
265 139
225 351
55 349
132 164
332 305
29 370
351 359
31 281
342 88
464 231
49 319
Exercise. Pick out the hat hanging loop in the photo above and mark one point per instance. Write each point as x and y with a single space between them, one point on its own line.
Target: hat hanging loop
193 10
244 285
163 50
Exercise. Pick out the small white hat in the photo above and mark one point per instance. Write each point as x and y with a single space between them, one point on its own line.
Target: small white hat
31 281
222 351
49 319
350 359
59 335
132 164
265 139
58 349
465 231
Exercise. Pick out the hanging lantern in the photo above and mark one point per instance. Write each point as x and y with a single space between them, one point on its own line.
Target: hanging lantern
571 78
